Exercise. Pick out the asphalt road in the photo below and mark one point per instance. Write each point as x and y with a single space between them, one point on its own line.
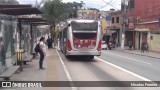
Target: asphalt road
110 66
141 65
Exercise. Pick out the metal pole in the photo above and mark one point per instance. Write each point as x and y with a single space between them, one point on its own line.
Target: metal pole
124 26
32 39
20 34
20 51
123 37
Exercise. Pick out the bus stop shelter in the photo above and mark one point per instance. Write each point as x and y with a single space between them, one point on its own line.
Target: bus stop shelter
16 11
32 22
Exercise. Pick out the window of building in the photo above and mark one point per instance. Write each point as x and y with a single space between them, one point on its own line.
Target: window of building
131 4
112 19
117 19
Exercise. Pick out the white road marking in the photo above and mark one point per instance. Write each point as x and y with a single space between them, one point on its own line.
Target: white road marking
67 72
134 74
129 58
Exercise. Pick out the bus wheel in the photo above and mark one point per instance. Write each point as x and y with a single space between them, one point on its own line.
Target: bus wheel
91 57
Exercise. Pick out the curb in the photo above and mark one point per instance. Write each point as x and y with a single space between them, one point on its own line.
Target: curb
138 54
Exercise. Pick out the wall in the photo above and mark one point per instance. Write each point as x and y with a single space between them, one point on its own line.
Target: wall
151 26
115 15
155 43
147 10
146 15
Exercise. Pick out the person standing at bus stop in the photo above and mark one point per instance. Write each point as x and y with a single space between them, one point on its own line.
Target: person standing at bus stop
42 52
49 42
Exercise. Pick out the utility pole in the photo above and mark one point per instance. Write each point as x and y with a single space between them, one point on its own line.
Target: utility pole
125 2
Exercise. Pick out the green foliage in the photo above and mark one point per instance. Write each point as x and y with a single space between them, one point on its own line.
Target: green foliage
56 11
72 9
9 2
53 9
57 32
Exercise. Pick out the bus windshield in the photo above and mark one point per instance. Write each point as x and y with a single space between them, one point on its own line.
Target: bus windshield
76 26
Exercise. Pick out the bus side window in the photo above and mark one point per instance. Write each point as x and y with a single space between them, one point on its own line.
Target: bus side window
65 34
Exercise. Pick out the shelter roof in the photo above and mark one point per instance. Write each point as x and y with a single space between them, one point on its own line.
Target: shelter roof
2 6
20 11
32 19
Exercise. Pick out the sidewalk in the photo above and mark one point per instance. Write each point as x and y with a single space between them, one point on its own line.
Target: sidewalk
138 52
31 72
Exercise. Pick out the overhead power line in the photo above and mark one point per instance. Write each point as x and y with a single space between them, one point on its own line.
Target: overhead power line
106 3
109 3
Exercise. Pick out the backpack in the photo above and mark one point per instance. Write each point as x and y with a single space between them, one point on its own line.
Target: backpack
37 48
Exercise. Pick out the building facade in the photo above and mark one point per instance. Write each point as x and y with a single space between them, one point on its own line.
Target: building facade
141 22
85 13
116 26
146 23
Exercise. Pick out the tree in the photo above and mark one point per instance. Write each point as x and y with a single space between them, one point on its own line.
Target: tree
9 2
57 31
53 11
72 9
56 11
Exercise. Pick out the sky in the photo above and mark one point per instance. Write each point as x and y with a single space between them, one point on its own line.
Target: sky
99 4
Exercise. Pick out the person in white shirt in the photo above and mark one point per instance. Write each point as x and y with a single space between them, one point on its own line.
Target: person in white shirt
42 52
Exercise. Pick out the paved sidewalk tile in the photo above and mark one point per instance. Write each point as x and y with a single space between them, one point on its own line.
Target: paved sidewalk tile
31 72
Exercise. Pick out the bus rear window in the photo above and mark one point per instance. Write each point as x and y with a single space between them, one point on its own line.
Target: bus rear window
84 35
84 26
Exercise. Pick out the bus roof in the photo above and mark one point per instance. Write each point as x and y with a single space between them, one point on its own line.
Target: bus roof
81 20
